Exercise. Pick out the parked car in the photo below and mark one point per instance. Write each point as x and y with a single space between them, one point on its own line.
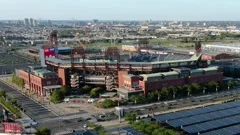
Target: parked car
66 100
85 125
91 100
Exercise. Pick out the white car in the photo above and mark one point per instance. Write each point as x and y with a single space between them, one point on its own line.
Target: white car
66 100
91 100
85 125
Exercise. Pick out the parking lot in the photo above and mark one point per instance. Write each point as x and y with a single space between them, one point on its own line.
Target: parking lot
8 63
33 109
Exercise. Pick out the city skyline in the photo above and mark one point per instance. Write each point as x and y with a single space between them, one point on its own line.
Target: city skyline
198 10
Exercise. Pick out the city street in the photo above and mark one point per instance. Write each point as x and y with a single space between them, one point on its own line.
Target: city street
43 116
174 105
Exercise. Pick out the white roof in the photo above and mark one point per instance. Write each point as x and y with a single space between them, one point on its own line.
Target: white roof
52 87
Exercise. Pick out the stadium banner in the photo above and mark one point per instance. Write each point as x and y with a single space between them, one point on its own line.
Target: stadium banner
49 52
12 128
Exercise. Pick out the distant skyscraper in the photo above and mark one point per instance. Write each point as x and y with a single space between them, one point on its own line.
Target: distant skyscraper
31 22
95 21
49 22
35 23
26 22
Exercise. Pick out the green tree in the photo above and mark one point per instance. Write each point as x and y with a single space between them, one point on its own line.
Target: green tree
57 96
150 97
100 130
21 83
43 131
141 98
211 86
158 131
94 93
235 83
65 90
130 117
143 41
85 89
164 94
133 98
107 103
2 93
195 88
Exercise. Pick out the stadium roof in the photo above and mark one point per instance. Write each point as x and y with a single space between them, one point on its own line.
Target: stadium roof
224 47
160 74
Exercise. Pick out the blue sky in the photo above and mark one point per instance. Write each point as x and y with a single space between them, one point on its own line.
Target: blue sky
121 9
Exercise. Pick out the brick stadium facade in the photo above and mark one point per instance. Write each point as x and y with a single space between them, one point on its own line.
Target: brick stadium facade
37 78
130 84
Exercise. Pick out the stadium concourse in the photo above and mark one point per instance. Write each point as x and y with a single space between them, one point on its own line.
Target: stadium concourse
221 119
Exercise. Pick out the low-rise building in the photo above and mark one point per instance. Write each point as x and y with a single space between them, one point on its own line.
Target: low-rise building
39 80
131 85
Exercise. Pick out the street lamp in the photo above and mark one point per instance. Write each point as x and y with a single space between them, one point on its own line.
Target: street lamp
174 93
204 90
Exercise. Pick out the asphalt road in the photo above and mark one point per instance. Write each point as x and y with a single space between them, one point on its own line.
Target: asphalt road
180 103
33 109
45 118
61 125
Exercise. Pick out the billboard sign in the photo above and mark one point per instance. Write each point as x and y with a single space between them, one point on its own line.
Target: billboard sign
12 127
49 52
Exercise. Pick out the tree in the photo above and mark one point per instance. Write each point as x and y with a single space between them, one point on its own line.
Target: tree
235 83
57 96
43 131
107 103
141 98
164 94
143 41
21 83
130 117
3 93
85 89
212 86
94 93
133 98
195 88
65 90
150 97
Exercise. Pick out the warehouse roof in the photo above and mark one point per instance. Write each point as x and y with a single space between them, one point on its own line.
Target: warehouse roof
211 69
160 74
196 71
129 75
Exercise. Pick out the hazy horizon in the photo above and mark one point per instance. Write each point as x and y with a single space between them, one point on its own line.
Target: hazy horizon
138 10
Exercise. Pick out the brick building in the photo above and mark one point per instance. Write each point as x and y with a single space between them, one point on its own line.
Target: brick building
39 80
131 84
